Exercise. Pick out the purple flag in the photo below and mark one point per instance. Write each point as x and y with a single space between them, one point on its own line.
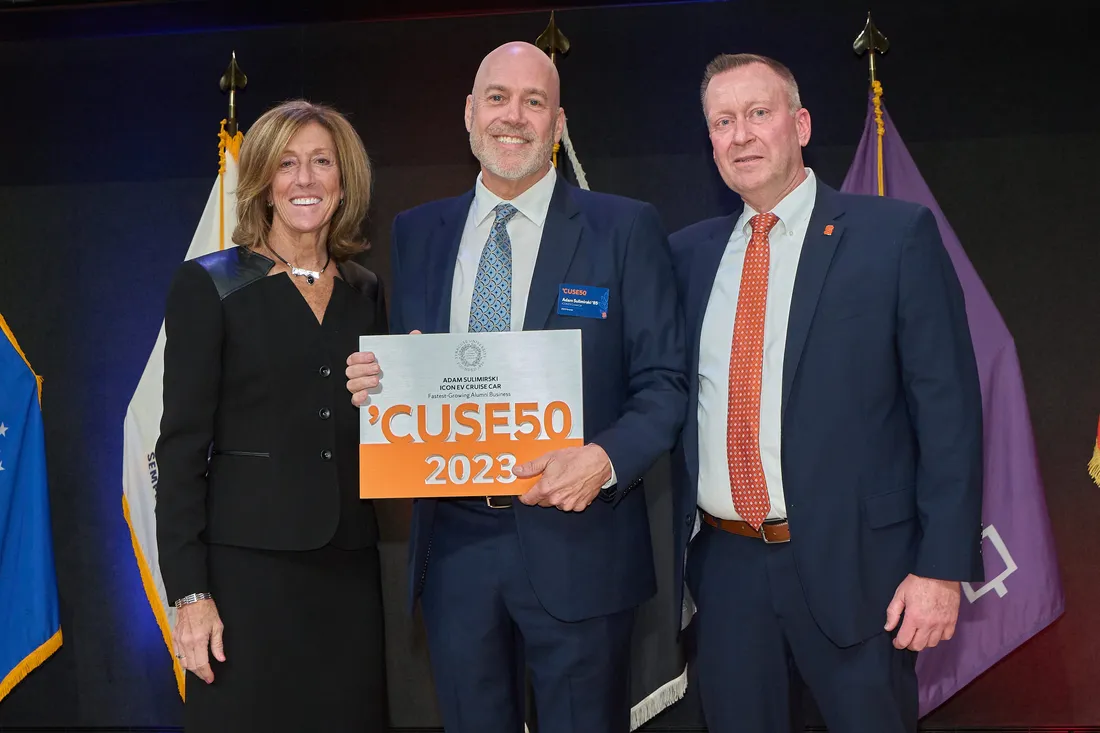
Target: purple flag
1023 591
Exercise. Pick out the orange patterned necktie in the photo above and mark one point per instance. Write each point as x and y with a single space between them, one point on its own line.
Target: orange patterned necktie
750 490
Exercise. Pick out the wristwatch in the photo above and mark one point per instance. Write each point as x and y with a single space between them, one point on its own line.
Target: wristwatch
193 598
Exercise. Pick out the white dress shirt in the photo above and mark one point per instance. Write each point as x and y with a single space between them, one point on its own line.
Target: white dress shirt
525 231
716 342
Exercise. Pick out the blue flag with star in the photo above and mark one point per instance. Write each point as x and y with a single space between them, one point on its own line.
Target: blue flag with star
30 628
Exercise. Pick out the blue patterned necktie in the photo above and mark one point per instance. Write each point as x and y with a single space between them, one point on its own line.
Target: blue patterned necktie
491 306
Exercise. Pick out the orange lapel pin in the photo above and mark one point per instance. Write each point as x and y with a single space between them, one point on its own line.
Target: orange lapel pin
828 229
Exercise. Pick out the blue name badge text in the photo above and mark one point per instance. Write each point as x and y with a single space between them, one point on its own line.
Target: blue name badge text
582 300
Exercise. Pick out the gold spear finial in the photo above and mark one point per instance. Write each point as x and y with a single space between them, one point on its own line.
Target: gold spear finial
232 81
871 41
553 40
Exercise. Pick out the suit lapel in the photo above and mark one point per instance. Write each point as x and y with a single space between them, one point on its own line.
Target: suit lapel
701 281
823 235
441 258
560 234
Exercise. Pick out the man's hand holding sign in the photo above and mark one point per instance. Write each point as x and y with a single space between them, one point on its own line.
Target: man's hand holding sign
485 414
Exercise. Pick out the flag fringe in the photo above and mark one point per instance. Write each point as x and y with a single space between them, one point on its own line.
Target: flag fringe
663 697
51 645
28 665
656 702
154 597
15 344
1094 464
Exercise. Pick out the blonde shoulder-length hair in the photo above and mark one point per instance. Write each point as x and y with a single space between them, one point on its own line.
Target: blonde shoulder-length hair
260 154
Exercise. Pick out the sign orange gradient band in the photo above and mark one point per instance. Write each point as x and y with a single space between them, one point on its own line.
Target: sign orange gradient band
455 414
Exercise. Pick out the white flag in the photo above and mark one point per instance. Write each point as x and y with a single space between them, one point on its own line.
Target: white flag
141 427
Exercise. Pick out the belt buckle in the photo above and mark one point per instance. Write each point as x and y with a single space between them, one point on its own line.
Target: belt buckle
489 502
764 533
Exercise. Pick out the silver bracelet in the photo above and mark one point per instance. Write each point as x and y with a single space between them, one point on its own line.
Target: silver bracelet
193 598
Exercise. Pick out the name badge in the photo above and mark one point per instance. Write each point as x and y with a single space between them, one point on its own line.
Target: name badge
584 301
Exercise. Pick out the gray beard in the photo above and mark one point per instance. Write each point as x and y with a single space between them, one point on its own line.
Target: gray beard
532 166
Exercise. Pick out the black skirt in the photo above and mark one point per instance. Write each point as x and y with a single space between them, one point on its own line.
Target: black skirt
304 644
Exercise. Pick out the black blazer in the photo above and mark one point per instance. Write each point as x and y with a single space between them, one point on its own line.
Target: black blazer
259 440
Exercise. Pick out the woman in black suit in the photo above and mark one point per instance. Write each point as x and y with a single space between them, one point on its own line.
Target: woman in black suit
265 546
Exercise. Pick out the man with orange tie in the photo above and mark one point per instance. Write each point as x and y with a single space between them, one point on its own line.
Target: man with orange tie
829 473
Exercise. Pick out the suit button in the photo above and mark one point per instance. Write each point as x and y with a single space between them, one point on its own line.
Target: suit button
323 413
324 371
326 455
687 520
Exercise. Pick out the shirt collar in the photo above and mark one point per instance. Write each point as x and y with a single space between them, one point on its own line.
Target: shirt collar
532 203
792 210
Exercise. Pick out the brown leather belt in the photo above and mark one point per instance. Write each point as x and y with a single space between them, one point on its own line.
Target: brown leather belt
771 531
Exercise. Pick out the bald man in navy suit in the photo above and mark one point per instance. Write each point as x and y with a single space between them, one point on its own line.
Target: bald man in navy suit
551 579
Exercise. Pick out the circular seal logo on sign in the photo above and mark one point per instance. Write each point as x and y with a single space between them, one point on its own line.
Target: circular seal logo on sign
470 355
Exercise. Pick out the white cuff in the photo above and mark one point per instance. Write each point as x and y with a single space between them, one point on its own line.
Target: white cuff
614 479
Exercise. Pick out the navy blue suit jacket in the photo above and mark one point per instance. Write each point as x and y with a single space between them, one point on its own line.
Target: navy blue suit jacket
599 561
881 411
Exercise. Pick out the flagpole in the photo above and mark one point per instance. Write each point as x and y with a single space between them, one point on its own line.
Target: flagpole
229 138
872 41
232 81
553 41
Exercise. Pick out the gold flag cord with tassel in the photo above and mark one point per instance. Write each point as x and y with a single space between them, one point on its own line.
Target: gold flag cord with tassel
871 41
231 145
880 128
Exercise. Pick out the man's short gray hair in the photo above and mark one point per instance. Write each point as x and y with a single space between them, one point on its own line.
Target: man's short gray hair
728 61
